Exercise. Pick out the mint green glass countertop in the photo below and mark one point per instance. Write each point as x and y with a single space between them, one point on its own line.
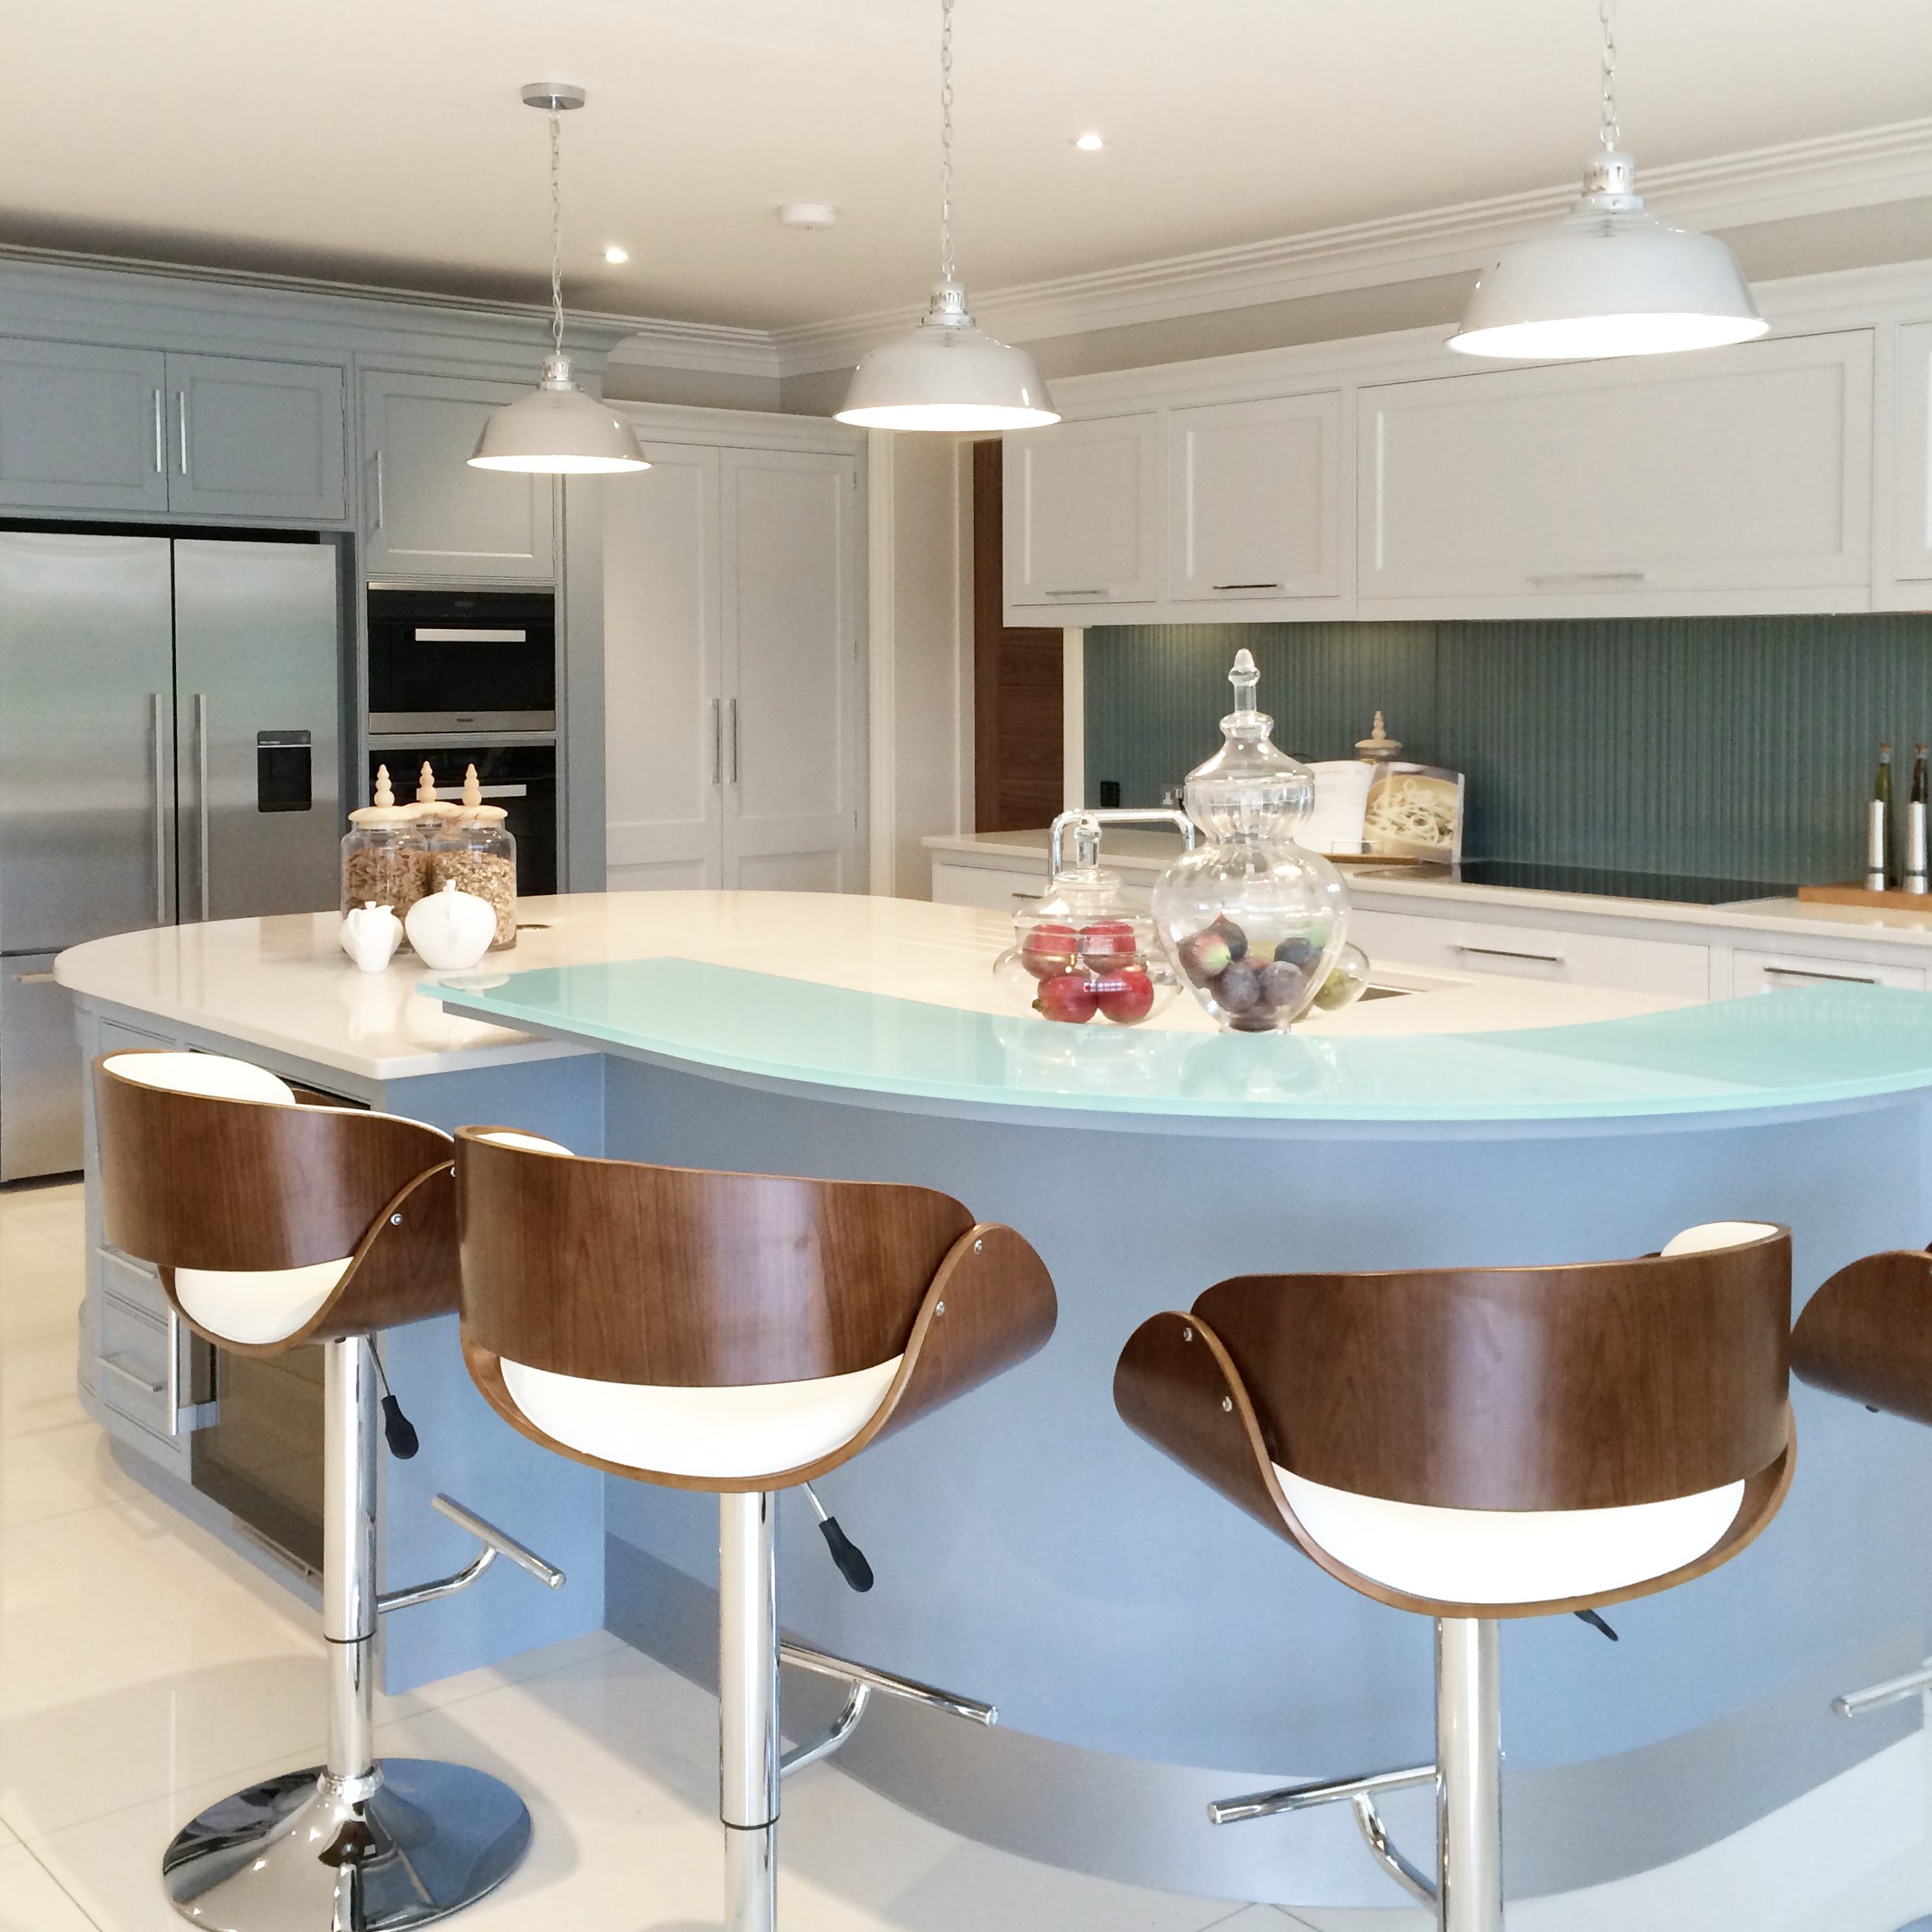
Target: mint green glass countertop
1810 1047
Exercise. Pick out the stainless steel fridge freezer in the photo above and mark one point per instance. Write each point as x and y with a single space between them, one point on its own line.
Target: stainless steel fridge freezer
170 714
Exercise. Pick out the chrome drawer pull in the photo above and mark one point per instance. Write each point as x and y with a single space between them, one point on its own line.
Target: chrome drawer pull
1274 585
157 1390
1807 972
1542 959
1590 577
1075 593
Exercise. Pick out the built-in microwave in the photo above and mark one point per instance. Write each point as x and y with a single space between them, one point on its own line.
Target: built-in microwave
462 660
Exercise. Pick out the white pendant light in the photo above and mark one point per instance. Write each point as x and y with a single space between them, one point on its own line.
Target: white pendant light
1610 279
947 374
557 430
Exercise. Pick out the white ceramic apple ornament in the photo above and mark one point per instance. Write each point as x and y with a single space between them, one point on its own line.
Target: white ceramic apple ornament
370 934
450 929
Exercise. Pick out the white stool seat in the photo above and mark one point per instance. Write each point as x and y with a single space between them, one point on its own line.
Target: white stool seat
258 1306
729 1433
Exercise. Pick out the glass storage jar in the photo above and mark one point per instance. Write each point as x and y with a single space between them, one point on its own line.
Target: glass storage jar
384 857
477 854
1083 950
1250 922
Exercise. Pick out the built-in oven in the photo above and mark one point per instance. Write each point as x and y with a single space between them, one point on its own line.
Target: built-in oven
521 778
462 660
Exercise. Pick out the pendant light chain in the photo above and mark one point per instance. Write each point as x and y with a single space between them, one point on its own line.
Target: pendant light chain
945 142
1612 131
556 236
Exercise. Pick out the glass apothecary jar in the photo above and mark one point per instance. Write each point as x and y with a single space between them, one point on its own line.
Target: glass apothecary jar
1250 922
385 857
1083 951
475 852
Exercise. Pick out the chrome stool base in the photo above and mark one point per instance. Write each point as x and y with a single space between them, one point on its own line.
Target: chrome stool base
282 1857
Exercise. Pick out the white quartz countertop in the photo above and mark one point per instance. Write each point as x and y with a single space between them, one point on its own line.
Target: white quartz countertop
283 983
1138 852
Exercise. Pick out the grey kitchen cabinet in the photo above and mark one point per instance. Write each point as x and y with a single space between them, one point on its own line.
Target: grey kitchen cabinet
86 428
250 437
82 427
426 513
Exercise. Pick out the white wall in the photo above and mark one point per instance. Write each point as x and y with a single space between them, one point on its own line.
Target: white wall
921 654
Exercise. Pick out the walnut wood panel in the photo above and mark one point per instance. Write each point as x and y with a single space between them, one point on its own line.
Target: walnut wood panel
990 1306
1537 1388
190 1181
1867 1334
1178 1386
624 1272
1019 682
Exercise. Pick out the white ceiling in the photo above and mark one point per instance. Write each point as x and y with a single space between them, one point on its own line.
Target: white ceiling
382 140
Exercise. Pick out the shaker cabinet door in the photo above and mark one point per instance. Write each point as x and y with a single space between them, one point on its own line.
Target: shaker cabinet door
253 438
793 529
82 428
427 513
1084 513
1912 550
1254 508
1741 472
663 706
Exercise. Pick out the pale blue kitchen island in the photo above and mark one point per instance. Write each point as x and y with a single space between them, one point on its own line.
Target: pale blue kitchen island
1149 1647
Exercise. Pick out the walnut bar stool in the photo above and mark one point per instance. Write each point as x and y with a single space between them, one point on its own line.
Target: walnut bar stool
740 1334
274 1223
1476 1443
1868 1334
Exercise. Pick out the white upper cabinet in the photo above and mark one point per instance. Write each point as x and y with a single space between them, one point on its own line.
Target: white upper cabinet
1743 473
1254 501
427 513
1911 558
1083 504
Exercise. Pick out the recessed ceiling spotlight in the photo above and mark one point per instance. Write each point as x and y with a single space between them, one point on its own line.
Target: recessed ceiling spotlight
812 216
614 255
1089 144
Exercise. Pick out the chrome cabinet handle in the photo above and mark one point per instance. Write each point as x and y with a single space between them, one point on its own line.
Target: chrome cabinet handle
167 1391
1590 577
128 1375
1543 959
1096 591
160 434
181 404
160 815
717 741
1807 972
201 791
38 978
377 461
1274 584
734 738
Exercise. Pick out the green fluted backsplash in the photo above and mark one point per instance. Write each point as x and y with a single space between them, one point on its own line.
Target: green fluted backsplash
1737 747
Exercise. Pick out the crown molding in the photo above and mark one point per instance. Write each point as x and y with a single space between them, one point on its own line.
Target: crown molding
1870 167
718 348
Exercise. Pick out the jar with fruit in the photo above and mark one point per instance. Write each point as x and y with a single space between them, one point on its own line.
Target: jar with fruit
1082 952
1253 924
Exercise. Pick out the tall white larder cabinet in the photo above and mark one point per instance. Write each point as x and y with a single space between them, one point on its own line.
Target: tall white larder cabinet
734 681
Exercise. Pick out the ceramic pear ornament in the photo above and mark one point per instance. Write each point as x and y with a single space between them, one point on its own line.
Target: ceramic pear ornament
370 934
451 930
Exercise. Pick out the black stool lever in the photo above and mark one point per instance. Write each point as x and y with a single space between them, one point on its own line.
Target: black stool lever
1596 1624
399 1431
849 1557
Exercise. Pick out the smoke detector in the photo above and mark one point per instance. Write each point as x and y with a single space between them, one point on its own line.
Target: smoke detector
811 216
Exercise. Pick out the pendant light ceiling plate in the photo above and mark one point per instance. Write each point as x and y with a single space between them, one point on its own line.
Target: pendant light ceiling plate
553 96
1610 279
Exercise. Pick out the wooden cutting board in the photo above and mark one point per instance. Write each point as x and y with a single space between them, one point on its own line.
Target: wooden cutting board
1891 898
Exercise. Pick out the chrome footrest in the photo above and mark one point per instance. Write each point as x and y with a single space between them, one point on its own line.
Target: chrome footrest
861 1680
1304 1797
1875 1696
496 1542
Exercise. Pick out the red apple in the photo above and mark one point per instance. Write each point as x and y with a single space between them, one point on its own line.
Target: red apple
1108 945
1127 995
1048 950
1068 997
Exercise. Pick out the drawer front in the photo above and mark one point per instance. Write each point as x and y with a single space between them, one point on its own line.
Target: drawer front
979 885
1659 966
138 1354
1769 973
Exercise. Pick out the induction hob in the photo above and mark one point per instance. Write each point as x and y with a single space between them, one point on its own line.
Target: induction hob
1685 888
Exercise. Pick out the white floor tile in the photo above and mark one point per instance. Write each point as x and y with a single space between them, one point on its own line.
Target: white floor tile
54 1472
31 1901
